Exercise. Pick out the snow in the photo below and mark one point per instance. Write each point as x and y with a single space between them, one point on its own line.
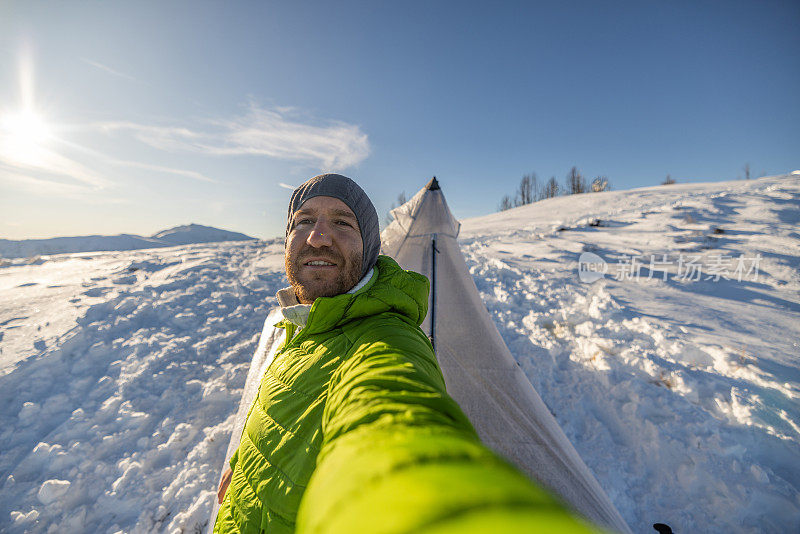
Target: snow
196 233
681 395
119 420
53 490
180 235
121 371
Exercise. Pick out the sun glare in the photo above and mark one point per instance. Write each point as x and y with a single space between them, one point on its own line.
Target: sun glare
23 137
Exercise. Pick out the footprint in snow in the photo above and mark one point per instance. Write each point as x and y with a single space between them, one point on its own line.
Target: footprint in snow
96 292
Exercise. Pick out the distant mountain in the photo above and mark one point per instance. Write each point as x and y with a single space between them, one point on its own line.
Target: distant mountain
197 233
180 235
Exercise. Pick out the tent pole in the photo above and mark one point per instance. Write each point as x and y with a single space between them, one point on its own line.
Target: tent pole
433 291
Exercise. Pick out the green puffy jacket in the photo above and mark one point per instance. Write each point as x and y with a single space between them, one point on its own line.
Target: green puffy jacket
357 400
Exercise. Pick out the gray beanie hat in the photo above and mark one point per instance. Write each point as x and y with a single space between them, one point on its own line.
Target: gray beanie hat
349 192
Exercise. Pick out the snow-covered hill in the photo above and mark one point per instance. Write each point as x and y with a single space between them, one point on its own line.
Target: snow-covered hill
679 383
180 235
120 371
196 233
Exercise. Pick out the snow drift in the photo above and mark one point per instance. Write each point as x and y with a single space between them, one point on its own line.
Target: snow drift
120 372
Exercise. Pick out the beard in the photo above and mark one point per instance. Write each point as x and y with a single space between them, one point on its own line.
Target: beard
309 286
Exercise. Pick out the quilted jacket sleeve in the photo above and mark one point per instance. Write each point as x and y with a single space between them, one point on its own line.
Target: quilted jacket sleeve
400 456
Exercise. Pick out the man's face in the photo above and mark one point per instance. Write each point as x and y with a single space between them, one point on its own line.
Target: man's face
323 249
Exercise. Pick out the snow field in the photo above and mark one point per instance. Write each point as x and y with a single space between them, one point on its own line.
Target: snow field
122 424
682 397
120 372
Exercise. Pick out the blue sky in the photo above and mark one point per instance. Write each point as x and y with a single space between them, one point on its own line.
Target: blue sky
137 116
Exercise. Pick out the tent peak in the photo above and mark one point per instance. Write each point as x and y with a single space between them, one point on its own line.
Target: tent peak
433 185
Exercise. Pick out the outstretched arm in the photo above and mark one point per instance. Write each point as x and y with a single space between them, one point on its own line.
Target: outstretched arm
400 456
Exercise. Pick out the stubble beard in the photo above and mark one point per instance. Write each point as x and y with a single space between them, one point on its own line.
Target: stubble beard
314 287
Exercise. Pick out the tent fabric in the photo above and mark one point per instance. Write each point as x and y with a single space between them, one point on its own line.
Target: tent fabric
480 372
271 339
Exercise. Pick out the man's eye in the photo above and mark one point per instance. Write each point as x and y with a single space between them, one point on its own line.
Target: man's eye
344 223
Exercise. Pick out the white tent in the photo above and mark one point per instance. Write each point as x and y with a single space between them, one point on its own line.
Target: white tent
480 372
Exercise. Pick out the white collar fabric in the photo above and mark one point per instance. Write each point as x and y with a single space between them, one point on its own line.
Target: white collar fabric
363 281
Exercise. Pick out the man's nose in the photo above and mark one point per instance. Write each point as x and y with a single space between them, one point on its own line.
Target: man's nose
320 236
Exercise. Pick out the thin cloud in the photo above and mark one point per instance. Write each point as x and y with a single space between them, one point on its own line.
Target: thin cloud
287 186
168 170
100 156
108 69
49 171
278 133
49 187
41 160
24 182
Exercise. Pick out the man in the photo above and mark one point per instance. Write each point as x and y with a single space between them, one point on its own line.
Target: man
352 429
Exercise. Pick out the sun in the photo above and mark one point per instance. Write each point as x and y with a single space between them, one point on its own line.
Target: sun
24 136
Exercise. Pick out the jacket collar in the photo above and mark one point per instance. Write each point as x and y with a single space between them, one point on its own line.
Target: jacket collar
297 313
389 289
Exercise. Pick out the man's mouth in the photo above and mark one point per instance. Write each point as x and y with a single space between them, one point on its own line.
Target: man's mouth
319 263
